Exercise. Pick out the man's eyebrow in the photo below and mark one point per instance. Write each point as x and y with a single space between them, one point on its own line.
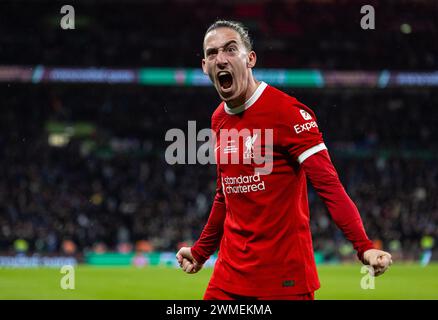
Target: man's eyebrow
208 50
228 43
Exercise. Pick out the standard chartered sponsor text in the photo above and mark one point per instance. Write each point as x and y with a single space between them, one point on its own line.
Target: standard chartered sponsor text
243 184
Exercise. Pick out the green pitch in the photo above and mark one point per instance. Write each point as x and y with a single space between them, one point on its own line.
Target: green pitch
156 283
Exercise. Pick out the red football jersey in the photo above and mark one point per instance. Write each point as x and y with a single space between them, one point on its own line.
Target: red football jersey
262 219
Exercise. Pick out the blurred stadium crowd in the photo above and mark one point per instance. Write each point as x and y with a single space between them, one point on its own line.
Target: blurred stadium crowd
112 185
294 34
109 187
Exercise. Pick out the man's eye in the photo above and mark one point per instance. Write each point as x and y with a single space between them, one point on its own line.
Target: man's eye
231 49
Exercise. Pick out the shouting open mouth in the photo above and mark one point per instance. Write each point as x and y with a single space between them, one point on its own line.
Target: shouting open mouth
225 80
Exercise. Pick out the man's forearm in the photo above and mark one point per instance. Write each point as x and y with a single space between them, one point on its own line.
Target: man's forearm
324 178
211 235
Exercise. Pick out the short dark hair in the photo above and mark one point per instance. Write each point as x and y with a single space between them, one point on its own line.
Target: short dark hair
236 26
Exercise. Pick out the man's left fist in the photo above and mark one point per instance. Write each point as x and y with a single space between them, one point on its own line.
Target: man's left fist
379 260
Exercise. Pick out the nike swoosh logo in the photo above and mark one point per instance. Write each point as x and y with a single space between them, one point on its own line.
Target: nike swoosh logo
217 148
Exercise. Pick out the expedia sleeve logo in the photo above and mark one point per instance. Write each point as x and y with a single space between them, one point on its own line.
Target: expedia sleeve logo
305 115
299 128
305 126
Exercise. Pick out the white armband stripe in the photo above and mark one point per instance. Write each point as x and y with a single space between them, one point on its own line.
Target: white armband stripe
311 151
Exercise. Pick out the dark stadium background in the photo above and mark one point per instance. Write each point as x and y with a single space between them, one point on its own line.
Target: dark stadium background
106 188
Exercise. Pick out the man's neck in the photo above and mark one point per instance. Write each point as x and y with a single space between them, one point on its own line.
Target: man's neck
252 87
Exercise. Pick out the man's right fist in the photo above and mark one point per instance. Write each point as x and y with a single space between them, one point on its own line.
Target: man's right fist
186 260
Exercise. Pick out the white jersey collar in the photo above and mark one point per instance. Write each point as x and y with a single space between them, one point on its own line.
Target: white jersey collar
257 93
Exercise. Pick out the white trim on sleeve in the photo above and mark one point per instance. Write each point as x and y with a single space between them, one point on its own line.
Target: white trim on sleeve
311 151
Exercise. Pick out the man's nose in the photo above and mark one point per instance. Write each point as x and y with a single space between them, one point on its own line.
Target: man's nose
221 59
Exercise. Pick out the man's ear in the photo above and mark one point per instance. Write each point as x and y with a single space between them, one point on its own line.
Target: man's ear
252 59
204 68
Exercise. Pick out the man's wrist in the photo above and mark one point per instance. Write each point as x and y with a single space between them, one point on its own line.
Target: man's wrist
361 253
196 256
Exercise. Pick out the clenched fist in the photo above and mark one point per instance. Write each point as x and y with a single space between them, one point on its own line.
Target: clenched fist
186 260
379 260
